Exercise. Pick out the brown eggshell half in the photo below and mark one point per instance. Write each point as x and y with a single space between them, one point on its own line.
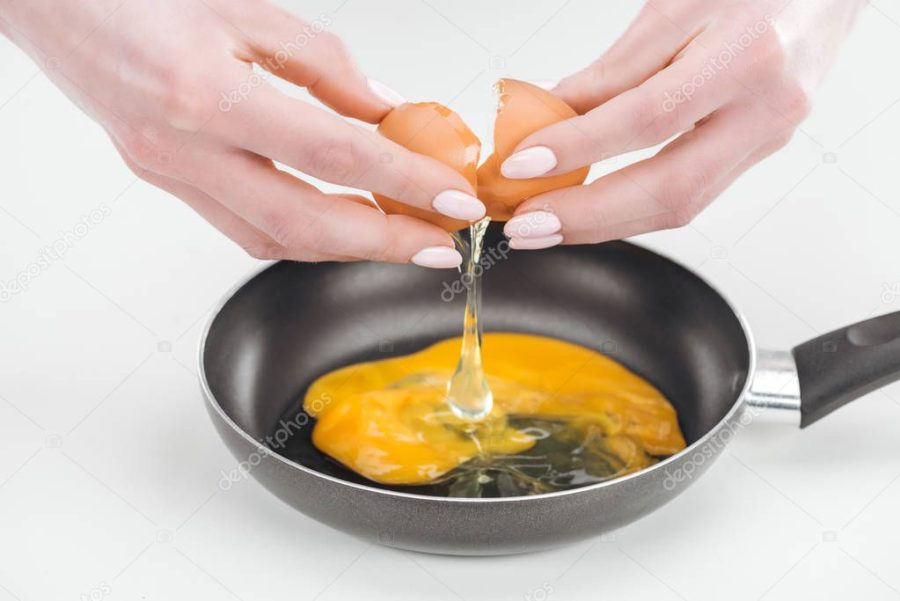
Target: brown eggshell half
522 110
434 130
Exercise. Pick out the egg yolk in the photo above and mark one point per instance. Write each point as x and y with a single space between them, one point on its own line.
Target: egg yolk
561 415
389 421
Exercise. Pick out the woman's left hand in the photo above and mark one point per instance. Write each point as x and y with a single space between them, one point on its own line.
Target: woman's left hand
731 80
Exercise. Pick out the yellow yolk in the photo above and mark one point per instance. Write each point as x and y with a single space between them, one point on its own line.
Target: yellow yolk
389 420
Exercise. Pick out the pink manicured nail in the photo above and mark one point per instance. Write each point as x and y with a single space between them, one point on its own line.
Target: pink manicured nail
537 224
547 84
388 95
437 257
531 162
458 205
535 243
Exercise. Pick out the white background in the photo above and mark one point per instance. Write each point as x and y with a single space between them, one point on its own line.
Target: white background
109 466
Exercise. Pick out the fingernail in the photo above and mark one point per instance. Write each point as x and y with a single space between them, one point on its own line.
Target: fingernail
437 257
535 243
388 95
547 84
537 224
458 205
531 162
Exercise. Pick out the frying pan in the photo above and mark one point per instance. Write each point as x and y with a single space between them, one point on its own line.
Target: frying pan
292 322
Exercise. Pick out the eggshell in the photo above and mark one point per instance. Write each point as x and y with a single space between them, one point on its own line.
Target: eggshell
434 130
522 110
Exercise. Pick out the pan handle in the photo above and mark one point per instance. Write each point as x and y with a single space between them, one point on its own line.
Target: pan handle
845 364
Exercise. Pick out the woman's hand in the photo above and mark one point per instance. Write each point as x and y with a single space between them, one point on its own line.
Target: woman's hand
173 84
731 79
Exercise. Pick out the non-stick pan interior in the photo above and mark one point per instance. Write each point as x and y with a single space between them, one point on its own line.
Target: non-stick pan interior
294 322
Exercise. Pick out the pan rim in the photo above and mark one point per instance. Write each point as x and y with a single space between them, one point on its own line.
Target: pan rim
738 404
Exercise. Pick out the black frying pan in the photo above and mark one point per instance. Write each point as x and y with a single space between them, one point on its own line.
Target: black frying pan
293 322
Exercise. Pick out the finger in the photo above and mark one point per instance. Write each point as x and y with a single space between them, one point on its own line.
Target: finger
651 41
325 146
668 103
253 241
755 157
662 192
640 226
308 223
306 54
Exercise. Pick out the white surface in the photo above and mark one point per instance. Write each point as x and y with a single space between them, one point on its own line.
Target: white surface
109 467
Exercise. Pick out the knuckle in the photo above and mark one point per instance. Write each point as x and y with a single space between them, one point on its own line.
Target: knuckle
264 251
595 73
744 12
795 102
132 165
591 147
390 247
379 253
766 55
685 186
332 239
337 161
302 238
680 216
143 153
782 139
279 225
647 114
751 40
596 218
186 101
405 188
334 45
316 237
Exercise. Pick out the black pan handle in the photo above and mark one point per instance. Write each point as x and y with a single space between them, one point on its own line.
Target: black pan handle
843 365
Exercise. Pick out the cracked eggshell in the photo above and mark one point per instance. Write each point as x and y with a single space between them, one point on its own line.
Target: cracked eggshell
523 109
434 130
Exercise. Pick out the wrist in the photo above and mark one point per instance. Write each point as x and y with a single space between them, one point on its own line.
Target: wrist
14 25
812 31
44 28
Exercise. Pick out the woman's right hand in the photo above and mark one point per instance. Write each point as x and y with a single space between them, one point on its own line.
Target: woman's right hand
173 84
